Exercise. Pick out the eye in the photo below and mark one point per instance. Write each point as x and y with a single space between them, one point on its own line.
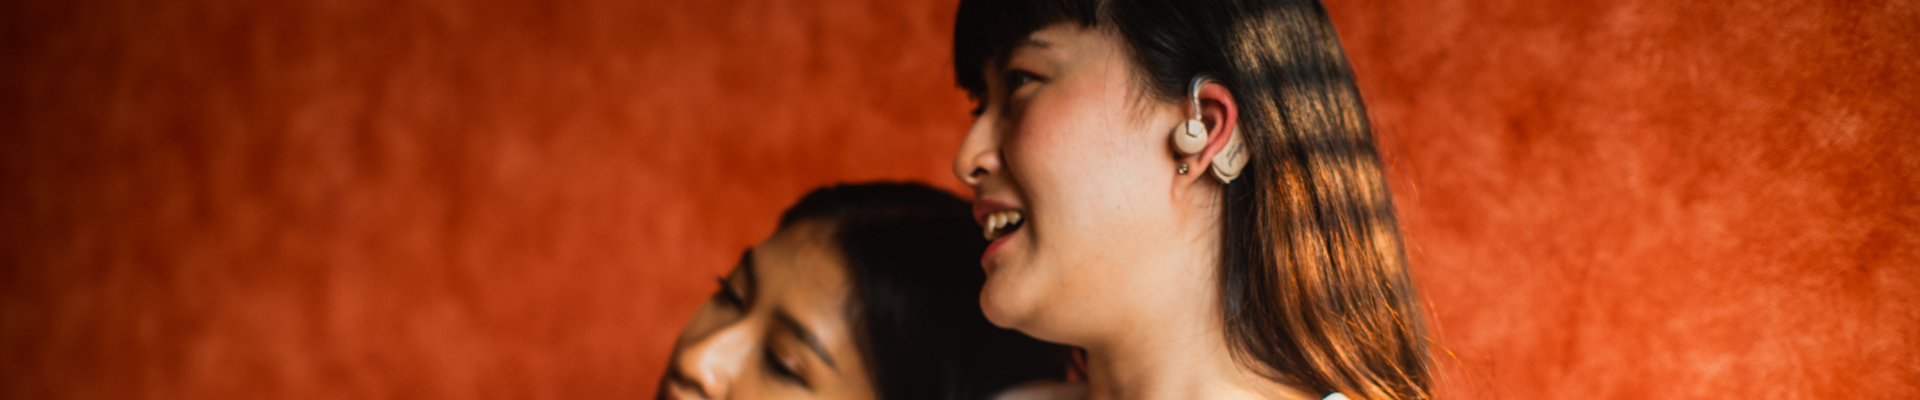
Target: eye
1015 79
781 370
729 297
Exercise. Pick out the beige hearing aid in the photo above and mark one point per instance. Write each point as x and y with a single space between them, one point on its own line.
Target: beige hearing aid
1227 163
1191 138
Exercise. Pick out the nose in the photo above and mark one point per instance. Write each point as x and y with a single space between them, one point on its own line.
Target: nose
979 155
713 361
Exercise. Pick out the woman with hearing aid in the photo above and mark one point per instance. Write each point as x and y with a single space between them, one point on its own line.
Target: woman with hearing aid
1189 191
864 291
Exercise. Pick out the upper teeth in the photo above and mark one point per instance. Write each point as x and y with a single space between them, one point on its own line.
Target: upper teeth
999 220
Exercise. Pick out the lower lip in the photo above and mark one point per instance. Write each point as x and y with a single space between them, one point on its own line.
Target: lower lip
995 246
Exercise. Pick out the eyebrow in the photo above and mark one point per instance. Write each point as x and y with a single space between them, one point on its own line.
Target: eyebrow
1029 42
805 335
1033 42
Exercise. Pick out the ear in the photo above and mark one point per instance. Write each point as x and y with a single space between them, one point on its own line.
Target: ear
1221 115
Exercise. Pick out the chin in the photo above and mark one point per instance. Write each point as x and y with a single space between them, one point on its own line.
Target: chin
1015 304
993 304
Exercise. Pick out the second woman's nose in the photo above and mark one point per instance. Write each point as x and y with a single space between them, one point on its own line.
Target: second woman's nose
713 361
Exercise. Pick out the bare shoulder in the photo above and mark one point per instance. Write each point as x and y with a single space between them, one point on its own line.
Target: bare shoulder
1045 390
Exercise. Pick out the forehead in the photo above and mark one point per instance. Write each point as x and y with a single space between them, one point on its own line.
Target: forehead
800 269
802 263
1064 42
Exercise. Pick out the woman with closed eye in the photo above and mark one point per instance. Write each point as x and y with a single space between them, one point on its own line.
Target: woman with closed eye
1189 191
863 292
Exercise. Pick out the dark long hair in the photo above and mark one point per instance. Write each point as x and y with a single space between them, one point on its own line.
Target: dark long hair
1313 277
912 252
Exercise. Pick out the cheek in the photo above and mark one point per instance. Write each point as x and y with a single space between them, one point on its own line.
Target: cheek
753 383
848 386
1081 161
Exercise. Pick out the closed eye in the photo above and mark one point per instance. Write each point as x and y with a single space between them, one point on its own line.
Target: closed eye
781 370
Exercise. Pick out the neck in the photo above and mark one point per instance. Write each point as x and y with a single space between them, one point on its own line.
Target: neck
1176 347
1177 360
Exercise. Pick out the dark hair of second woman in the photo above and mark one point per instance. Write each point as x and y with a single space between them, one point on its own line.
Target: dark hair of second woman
1313 275
912 253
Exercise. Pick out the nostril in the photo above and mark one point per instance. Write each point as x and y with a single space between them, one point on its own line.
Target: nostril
977 172
674 379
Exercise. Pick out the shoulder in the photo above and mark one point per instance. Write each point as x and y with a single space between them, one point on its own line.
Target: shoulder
1045 390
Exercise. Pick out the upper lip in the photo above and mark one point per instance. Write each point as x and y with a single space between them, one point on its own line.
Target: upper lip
667 392
986 207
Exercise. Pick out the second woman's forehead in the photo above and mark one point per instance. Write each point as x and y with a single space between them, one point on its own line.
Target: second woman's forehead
803 261
802 273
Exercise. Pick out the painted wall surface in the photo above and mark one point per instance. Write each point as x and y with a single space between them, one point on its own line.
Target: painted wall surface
215 199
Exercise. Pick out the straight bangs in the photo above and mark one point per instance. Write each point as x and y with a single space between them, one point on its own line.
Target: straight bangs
985 30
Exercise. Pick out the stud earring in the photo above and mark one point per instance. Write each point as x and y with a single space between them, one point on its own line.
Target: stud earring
1183 169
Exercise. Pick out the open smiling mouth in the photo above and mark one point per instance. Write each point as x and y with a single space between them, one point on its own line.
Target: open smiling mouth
1000 224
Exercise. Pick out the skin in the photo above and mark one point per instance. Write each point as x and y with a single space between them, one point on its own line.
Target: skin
776 329
1117 253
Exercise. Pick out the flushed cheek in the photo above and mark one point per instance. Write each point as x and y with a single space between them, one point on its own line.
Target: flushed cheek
1076 169
1068 122
1066 139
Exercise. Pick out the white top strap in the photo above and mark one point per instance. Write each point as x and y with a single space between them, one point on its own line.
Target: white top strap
1336 396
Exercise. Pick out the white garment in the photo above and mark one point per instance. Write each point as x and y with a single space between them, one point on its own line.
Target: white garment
1051 390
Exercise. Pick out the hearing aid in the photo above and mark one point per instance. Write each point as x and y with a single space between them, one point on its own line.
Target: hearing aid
1191 138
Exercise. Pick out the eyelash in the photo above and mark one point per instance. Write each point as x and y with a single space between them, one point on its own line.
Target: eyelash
1014 79
727 295
781 369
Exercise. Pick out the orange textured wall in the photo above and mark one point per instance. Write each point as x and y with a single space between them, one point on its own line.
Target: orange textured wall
217 199
1656 199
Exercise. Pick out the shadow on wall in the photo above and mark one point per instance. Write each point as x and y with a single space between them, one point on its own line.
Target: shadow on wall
433 199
